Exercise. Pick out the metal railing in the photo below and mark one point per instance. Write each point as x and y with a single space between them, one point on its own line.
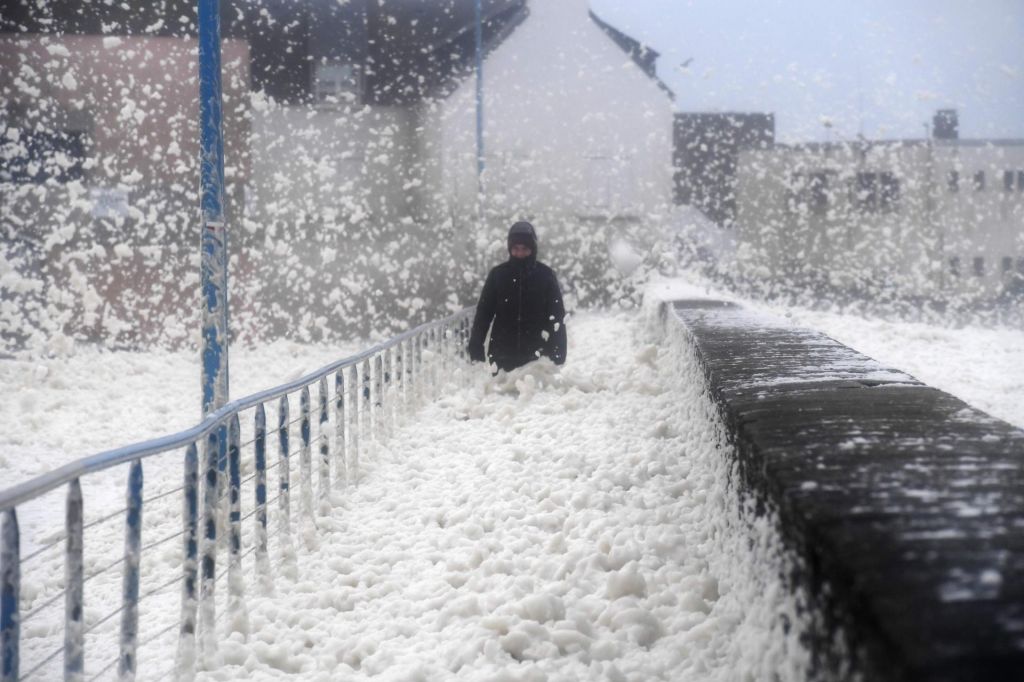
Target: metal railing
372 392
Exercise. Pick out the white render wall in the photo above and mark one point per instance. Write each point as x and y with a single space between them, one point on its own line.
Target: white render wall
573 126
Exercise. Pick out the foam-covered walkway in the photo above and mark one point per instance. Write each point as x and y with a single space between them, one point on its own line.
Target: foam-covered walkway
550 524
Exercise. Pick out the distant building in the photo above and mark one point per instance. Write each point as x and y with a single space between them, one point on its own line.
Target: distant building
706 149
942 217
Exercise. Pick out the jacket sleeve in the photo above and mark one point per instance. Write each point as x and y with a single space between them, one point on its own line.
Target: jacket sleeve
557 342
485 309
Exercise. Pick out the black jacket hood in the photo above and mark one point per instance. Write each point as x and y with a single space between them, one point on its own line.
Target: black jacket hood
523 233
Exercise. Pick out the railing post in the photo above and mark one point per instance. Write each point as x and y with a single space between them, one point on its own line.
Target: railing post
10 596
325 459
284 474
377 425
305 463
340 468
353 424
186 656
366 412
399 391
236 581
130 592
389 391
74 635
260 446
207 606
419 392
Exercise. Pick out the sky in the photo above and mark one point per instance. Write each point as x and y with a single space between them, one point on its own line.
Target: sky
874 67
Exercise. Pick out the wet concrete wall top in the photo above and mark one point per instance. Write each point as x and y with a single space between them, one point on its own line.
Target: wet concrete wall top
905 503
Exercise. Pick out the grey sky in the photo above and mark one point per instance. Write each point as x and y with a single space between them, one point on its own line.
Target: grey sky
880 67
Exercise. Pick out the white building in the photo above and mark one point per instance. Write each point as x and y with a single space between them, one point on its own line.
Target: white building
577 128
937 218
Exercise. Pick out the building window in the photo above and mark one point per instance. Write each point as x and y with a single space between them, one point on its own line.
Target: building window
979 266
1020 181
337 81
1020 265
810 192
1007 264
954 266
979 181
953 181
876 192
1008 180
34 152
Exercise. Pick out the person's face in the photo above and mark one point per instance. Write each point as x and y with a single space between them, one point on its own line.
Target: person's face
520 251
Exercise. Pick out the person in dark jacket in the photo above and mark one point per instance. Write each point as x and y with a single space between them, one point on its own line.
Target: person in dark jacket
522 299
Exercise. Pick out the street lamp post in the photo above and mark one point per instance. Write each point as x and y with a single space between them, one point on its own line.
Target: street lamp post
478 33
213 258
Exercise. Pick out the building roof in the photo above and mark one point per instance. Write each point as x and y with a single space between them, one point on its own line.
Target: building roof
409 49
643 55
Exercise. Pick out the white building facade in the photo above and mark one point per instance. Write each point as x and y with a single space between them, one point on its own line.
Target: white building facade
574 129
923 218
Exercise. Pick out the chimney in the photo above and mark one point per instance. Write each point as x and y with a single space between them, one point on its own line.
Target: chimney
945 125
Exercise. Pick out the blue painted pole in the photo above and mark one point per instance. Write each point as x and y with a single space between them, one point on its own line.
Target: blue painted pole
10 594
208 546
352 463
366 420
261 487
185 664
340 467
74 574
325 457
130 586
377 423
305 457
479 39
213 259
284 474
235 579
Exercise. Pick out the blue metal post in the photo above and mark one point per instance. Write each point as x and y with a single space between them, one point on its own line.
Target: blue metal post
185 664
377 425
74 631
325 461
214 259
352 468
284 474
399 383
130 588
340 473
262 562
305 457
207 606
235 580
366 412
478 39
10 594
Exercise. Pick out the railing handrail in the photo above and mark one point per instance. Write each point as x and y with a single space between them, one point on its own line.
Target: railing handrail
34 487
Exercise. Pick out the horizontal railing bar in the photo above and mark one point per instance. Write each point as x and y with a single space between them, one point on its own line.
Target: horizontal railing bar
161 541
158 590
39 485
103 570
42 664
59 542
49 602
163 494
103 519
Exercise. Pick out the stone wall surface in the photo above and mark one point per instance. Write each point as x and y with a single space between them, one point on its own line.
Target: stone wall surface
905 504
